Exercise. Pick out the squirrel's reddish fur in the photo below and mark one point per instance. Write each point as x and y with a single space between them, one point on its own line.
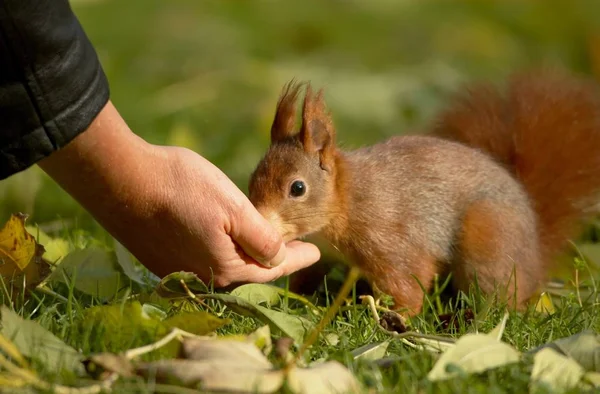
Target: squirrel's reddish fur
545 128
493 193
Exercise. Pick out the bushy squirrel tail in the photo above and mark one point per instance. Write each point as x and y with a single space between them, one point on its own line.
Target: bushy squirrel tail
545 128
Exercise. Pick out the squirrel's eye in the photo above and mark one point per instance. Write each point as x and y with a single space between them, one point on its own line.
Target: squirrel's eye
297 189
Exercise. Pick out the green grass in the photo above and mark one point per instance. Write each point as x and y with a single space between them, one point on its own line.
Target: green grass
206 74
63 310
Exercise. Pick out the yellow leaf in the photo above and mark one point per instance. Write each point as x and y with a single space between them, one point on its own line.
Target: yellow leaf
16 243
11 350
54 248
545 304
20 254
9 380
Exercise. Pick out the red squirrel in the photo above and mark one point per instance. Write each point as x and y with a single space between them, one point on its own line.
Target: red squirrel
492 193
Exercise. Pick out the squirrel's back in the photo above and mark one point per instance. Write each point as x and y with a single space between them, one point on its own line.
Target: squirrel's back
429 185
545 129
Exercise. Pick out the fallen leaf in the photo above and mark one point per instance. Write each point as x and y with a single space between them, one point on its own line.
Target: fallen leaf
170 286
199 322
545 304
235 366
123 326
11 351
120 326
214 365
258 293
473 353
213 376
583 347
153 312
21 256
261 338
34 341
213 349
295 327
555 370
371 351
135 274
9 380
593 378
327 377
332 339
437 344
54 248
94 271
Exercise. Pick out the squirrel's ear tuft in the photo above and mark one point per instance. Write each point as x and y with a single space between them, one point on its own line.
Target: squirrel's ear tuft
317 133
284 124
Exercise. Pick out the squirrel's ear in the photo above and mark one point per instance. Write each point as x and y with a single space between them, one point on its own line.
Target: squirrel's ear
285 116
317 133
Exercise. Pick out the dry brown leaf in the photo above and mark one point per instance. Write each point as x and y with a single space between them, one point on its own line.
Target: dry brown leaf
213 376
233 366
21 256
217 364
325 378
223 349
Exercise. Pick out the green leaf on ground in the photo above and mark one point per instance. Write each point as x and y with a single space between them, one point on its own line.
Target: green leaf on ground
592 378
371 351
199 323
295 327
583 347
121 325
474 353
94 270
34 341
54 248
259 293
153 312
125 261
129 325
170 286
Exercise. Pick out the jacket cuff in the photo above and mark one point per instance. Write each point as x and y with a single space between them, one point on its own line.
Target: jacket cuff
52 85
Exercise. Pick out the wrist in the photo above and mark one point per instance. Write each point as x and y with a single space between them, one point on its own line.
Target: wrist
108 170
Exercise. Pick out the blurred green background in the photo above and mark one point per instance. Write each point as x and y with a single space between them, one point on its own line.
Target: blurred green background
206 74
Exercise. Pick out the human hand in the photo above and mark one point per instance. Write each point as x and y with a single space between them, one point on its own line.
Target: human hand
171 208
218 231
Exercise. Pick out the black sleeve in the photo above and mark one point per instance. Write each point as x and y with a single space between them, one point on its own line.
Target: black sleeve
52 85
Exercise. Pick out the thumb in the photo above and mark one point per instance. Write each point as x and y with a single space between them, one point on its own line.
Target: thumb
258 238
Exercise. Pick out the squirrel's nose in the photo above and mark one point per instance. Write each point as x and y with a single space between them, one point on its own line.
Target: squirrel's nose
272 217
